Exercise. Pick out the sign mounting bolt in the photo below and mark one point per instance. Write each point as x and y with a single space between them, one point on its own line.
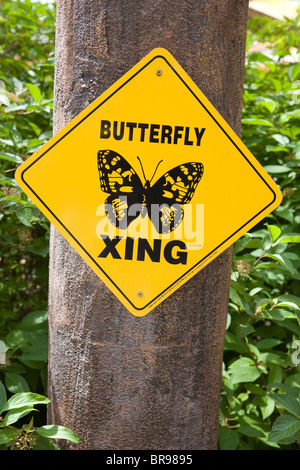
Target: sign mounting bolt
158 72
140 294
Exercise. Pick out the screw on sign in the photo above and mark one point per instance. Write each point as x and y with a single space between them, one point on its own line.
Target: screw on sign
151 183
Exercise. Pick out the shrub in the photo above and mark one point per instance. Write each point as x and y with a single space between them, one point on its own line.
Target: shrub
260 401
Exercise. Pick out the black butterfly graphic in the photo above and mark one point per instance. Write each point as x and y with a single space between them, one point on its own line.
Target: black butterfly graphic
129 198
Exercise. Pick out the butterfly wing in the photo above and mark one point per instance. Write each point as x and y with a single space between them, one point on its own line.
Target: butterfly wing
174 188
116 175
178 185
165 218
122 210
119 179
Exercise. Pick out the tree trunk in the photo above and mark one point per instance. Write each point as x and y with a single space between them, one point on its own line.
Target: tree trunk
120 381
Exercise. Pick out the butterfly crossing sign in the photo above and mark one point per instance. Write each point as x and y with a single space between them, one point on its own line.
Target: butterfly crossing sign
149 183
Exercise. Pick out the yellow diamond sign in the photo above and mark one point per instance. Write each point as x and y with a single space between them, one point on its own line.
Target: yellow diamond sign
149 183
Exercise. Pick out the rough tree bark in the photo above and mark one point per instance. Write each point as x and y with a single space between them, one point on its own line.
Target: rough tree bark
153 382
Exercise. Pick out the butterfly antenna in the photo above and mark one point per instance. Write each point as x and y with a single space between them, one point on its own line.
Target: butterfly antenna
142 168
155 170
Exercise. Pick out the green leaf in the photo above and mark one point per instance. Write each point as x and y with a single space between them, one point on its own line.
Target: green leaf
285 213
282 259
16 383
34 91
14 415
57 432
244 330
3 397
285 117
276 148
254 388
233 343
32 364
34 320
37 352
228 438
281 139
24 215
234 296
261 58
289 402
289 298
267 103
11 157
20 400
274 232
287 303
289 238
285 387
267 407
284 426
16 107
267 343
7 435
256 122
277 169
250 431
15 199
4 100
239 288
293 71
243 370
294 382
255 291
34 143
43 443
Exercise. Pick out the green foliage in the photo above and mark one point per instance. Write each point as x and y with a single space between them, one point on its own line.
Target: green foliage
260 401
28 436
26 93
26 344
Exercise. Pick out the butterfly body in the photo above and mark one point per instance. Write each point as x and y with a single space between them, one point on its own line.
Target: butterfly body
129 197
145 198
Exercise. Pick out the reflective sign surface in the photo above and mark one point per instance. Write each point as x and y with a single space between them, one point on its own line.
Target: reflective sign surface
149 184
